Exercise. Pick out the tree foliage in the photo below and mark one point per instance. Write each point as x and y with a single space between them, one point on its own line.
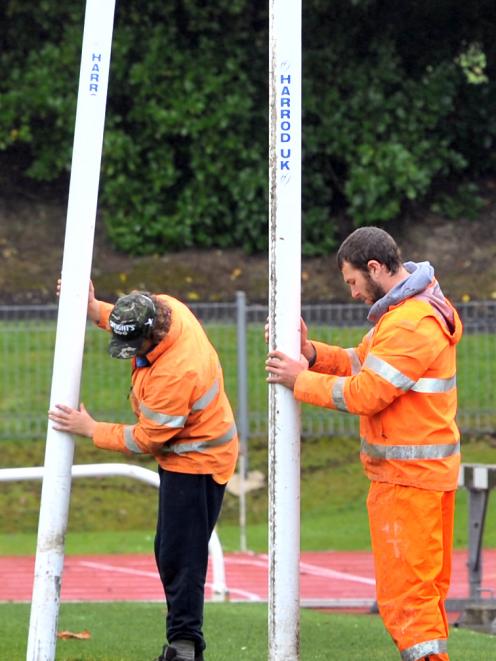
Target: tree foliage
397 102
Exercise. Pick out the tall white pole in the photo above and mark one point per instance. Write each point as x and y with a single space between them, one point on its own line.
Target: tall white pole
71 323
284 324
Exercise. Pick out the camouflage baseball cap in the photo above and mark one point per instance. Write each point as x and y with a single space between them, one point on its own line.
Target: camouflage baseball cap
131 322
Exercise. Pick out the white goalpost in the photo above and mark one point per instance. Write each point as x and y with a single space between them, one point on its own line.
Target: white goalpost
71 324
284 322
284 325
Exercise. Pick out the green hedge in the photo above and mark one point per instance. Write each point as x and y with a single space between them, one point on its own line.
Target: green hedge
398 107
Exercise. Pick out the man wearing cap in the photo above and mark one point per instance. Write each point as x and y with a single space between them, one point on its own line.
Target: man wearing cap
183 419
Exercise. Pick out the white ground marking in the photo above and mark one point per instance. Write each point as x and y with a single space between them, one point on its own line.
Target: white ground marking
251 596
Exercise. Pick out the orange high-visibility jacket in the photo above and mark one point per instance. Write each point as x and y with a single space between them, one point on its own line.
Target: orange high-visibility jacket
401 380
184 418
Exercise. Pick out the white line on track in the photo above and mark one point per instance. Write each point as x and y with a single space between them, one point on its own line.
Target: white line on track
251 596
305 568
120 570
315 570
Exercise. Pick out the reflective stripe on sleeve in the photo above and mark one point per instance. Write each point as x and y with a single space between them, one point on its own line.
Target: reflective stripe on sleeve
435 385
407 452
205 399
420 650
174 421
356 365
129 440
338 394
400 380
388 372
199 446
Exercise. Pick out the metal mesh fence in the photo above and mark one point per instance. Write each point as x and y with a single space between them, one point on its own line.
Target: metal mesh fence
27 336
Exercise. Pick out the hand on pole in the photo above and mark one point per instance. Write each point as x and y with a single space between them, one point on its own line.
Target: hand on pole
306 346
73 421
284 370
93 305
93 302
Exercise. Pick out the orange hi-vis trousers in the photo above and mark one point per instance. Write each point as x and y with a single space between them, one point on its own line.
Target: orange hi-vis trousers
412 536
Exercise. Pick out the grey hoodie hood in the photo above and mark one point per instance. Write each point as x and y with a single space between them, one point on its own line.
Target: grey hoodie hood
420 283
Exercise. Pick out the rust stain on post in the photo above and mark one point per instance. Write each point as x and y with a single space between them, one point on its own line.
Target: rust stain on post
272 421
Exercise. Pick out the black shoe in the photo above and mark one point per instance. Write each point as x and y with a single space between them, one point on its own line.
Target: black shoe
171 654
161 657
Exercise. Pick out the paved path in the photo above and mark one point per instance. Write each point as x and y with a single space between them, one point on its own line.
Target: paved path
344 576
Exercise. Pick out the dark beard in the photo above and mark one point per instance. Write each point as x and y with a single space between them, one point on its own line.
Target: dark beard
374 290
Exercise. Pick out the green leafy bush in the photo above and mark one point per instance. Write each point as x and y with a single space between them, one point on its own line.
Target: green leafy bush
464 201
390 112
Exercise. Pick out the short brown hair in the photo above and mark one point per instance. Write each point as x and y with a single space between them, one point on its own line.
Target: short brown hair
368 243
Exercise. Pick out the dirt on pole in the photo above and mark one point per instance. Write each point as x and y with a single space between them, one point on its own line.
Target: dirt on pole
284 325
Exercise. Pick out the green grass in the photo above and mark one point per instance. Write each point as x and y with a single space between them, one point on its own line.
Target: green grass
131 632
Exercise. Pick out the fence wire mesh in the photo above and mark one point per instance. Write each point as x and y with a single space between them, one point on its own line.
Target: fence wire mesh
27 337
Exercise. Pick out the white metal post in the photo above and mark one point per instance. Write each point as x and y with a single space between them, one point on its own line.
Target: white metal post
71 323
219 587
284 324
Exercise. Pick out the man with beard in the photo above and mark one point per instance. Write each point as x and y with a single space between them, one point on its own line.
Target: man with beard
401 381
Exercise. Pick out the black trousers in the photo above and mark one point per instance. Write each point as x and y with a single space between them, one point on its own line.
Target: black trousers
188 508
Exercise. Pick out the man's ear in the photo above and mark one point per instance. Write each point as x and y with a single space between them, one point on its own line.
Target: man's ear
374 268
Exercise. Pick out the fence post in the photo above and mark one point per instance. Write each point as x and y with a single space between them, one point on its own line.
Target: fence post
242 423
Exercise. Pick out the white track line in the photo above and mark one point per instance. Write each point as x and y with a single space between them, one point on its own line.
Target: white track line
315 570
251 596
119 570
305 568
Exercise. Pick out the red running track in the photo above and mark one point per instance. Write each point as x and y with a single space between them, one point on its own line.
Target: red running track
323 576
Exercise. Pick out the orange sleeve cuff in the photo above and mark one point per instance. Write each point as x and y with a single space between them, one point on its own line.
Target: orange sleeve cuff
314 388
110 436
105 310
330 359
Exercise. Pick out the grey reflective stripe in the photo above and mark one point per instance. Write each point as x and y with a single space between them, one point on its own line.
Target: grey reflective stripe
356 365
435 385
388 372
205 399
418 651
199 446
400 380
129 440
175 421
407 452
338 394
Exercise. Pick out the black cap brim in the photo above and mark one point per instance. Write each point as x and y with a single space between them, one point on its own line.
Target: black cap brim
124 348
